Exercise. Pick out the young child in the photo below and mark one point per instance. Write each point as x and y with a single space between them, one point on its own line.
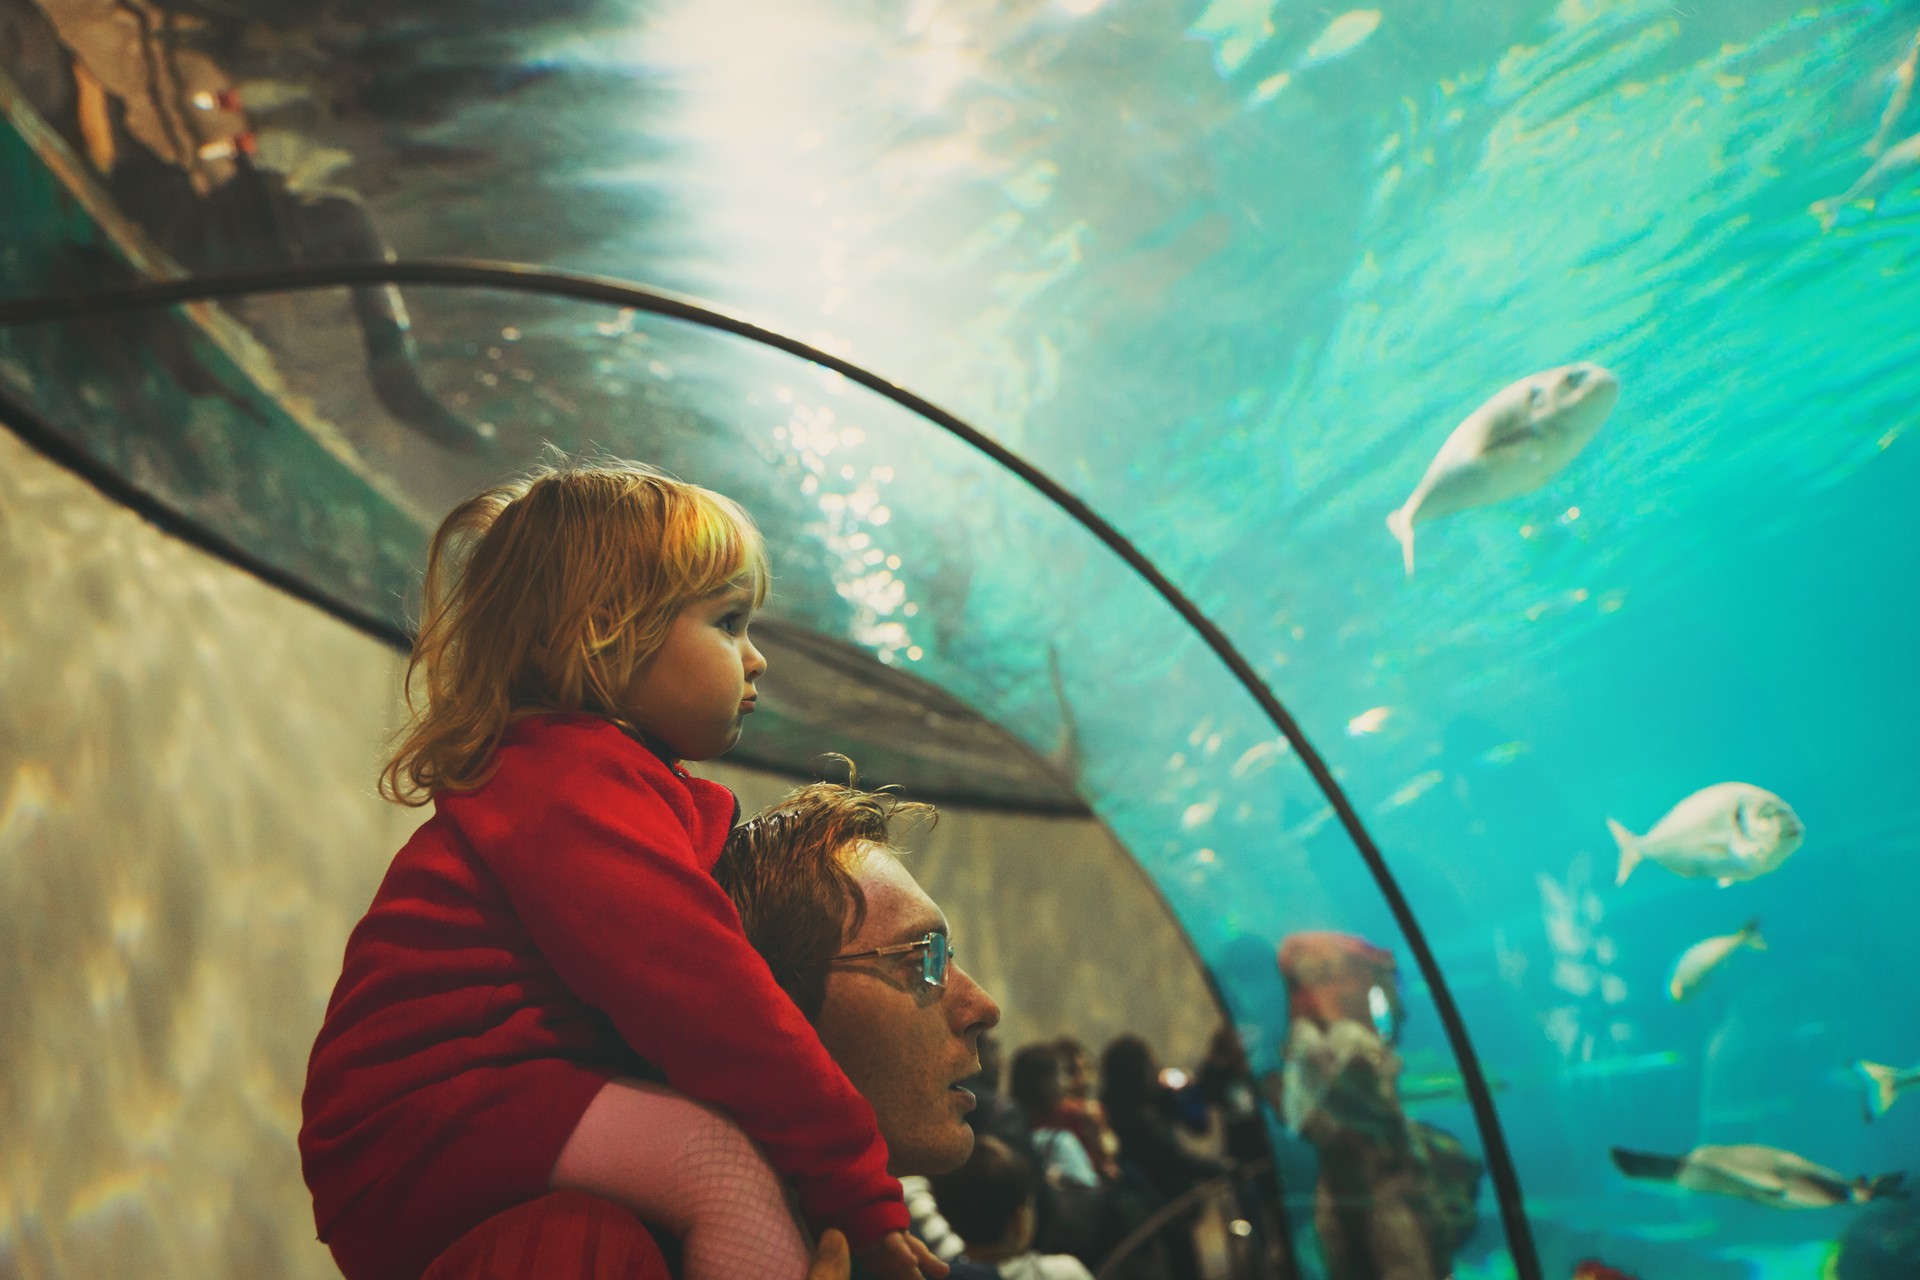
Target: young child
990 1200
549 990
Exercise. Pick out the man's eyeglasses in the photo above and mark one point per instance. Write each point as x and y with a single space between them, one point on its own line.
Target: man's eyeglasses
936 953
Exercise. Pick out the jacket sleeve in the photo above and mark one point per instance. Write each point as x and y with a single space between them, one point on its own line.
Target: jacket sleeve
606 880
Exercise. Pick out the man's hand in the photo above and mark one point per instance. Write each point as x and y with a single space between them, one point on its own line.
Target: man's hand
899 1256
830 1259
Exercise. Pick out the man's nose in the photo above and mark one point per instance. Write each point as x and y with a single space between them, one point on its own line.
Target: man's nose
756 662
969 1008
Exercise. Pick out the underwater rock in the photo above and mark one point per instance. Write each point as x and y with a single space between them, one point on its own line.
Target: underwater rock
1883 1243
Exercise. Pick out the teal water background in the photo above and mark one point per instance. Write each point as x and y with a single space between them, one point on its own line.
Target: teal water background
1240 318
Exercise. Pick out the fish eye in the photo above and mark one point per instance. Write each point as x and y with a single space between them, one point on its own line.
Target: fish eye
1576 376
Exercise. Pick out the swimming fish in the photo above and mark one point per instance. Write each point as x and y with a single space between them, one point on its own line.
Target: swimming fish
1415 1091
1727 832
1702 958
1610 1068
1517 441
1594 1269
1766 1175
1897 101
1343 35
1893 163
1885 1085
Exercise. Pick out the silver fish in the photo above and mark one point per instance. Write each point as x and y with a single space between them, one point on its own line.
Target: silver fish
1897 100
1702 958
1885 1085
1893 164
1513 444
1766 1175
1727 832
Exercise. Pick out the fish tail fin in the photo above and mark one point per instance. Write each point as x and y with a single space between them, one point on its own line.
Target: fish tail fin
1750 936
1630 854
1400 524
1883 1086
1638 1164
1887 1184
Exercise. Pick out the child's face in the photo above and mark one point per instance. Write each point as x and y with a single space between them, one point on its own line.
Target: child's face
697 691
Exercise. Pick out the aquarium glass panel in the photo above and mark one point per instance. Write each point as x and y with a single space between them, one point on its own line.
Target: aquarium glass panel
1526 387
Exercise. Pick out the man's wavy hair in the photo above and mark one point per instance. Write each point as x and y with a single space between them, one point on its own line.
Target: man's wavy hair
789 872
549 594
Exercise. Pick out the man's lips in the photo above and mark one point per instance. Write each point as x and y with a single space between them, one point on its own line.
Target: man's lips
747 705
959 1087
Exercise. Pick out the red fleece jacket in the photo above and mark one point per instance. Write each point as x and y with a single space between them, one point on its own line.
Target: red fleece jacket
555 927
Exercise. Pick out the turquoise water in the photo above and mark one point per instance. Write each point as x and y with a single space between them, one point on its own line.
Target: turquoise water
1242 328
1241 324
1232 273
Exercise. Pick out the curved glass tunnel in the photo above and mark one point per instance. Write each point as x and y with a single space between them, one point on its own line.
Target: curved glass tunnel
1231 272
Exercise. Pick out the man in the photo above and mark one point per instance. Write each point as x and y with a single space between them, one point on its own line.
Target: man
864 953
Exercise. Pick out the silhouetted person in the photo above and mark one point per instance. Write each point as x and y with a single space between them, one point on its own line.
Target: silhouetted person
1226 1081
990 1201
1388 1202
1080 1108
1140 1109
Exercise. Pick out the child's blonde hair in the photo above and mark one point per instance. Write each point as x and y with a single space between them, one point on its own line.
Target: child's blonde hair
549 593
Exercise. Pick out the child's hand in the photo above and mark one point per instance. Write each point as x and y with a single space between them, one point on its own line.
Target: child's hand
830 1259
899 1256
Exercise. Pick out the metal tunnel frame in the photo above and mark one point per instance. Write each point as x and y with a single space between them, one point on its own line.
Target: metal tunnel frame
521 278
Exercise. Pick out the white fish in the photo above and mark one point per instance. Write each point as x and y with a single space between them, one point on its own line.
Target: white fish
1871 185
1897 100
1342 36
1702 958
1512 444
1767 1175
271 95
1885 1085
1236 28
1727 832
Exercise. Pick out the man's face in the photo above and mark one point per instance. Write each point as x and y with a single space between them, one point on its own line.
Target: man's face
905 1045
